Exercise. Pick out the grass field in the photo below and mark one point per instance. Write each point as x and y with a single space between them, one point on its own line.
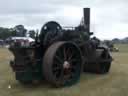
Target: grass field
113 84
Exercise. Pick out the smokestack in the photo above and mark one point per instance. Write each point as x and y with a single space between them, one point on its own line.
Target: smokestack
87 19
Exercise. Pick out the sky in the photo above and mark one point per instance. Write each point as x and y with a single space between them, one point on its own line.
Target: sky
109 18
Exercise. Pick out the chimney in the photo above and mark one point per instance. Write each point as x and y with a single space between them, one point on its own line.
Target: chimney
87 19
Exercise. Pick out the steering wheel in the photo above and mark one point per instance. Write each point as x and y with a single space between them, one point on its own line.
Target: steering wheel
49 31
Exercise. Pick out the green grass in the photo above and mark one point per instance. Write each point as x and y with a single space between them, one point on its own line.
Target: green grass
113 84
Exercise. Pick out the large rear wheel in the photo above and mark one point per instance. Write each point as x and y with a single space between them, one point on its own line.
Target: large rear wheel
62 64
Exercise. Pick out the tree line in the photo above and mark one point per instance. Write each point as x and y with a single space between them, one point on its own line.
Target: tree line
18 31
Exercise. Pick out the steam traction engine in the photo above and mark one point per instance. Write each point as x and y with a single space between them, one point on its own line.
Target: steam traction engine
59 55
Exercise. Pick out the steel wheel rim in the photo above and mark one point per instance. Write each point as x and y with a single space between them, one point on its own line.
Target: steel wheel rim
105 66
64 69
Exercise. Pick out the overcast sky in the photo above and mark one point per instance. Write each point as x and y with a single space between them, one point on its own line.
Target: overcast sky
109 18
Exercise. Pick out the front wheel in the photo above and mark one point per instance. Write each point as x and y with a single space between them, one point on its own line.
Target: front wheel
101 63
105 63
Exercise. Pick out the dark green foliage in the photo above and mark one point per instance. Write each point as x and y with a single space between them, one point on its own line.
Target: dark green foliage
6 32
32 34
20 30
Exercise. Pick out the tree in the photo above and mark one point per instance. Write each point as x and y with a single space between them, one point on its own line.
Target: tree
32 34
20 30
6 32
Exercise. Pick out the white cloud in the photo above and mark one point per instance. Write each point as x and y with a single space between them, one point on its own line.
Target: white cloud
108 17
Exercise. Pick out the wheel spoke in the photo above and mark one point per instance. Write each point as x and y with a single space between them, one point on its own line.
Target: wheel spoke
69 58
72 55
59 59
74 61
64 52
68 50
56 68
59 53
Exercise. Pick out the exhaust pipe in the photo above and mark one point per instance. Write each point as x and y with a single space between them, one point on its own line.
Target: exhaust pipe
87 19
